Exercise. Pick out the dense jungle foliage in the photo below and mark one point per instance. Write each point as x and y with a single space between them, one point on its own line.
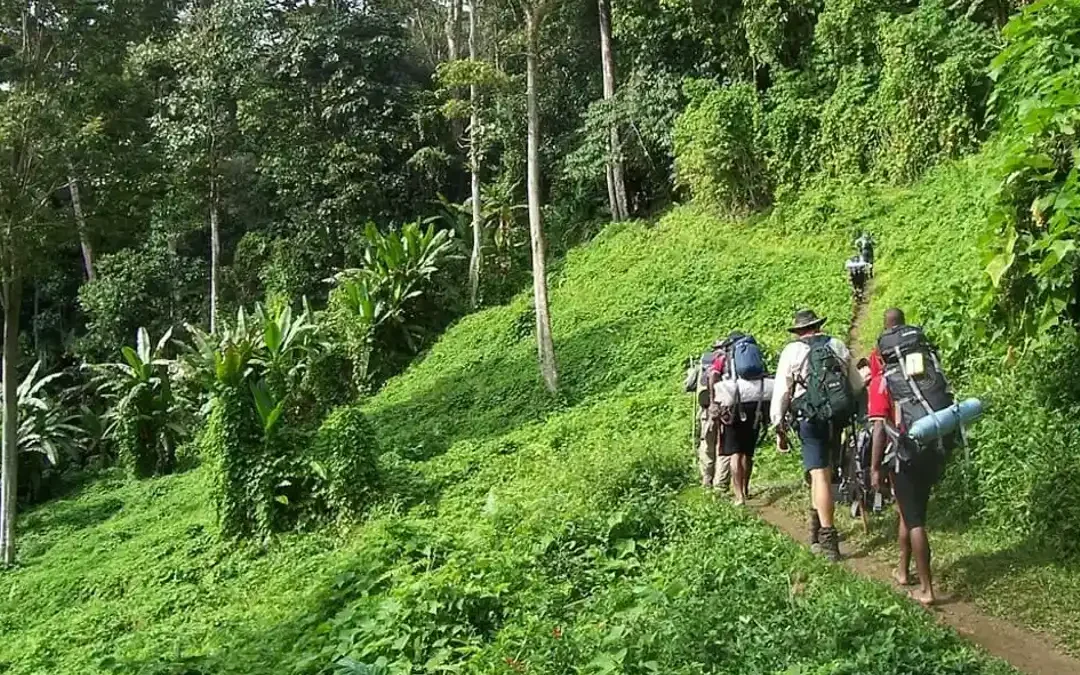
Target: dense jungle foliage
233 232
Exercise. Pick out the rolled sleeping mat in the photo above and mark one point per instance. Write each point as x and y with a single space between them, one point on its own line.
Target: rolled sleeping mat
946 421
750 391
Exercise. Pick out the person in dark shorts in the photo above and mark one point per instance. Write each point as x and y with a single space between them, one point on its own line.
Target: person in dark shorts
820 440
911 481
744 406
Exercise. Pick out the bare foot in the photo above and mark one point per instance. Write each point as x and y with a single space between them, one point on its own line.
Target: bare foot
901 578
924 598
738 501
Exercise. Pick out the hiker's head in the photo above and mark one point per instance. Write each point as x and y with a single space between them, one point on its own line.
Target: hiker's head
806 322
864 369
894 317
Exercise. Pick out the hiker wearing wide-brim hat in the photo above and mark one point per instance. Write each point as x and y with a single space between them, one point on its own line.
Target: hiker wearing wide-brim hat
816 380
806 319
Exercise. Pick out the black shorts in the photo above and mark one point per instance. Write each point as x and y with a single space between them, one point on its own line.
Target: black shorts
741 438
911 487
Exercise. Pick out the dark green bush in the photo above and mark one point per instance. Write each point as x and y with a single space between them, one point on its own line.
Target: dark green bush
933 89
850 130
344 457
241 484
148 287
793 123
846 35
719 148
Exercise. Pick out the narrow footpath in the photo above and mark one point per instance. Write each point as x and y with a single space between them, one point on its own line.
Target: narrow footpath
1025 650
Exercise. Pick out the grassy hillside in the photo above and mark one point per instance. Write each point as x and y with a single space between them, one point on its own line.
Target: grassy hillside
519 533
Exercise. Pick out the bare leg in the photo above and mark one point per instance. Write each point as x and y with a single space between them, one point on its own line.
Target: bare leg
748 468
903 538
738 477
920 546
821 493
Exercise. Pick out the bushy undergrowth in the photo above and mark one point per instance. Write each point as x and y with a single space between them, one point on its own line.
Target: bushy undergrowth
883 89
544 534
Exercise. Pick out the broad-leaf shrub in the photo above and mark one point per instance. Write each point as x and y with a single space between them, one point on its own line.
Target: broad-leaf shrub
146 419
719 149
275 464
376 300
1037 100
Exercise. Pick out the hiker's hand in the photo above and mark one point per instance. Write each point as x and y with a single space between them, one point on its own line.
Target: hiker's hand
782 442
875 479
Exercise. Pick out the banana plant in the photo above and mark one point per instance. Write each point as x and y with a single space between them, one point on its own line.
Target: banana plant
285 346
142 367
225 357
144 416
267 406
44 426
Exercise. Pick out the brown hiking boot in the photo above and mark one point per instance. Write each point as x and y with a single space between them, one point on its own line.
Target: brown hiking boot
830 544
814 530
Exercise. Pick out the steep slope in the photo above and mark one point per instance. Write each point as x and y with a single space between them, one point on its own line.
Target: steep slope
520 533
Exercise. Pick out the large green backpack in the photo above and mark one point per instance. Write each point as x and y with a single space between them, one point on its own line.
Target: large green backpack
828 396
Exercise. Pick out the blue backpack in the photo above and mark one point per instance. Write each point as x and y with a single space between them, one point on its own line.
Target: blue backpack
747 362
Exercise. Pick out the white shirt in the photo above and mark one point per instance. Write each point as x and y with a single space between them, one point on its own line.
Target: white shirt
794 367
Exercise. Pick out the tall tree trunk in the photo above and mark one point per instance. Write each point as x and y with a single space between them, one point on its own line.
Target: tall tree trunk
616 178
9 461
475 262
215 254
80 226
544 343
35 330
453 29
613 200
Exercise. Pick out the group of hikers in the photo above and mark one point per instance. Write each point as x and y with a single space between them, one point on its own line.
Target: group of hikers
855 421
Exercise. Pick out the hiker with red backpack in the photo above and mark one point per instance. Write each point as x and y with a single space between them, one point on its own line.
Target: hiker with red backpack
815 392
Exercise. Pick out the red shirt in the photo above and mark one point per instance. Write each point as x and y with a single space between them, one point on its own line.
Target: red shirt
879 404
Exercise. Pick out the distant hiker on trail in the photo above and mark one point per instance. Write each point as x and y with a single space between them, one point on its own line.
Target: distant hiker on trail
859 272
906 384
816 382
740 398
865 246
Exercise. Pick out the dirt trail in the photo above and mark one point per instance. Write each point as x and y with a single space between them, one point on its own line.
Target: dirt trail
858 318
1026 651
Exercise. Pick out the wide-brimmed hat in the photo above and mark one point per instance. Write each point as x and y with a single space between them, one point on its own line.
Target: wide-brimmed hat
806 319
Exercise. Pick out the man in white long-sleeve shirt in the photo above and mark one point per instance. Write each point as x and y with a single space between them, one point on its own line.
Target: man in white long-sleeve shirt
820 439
